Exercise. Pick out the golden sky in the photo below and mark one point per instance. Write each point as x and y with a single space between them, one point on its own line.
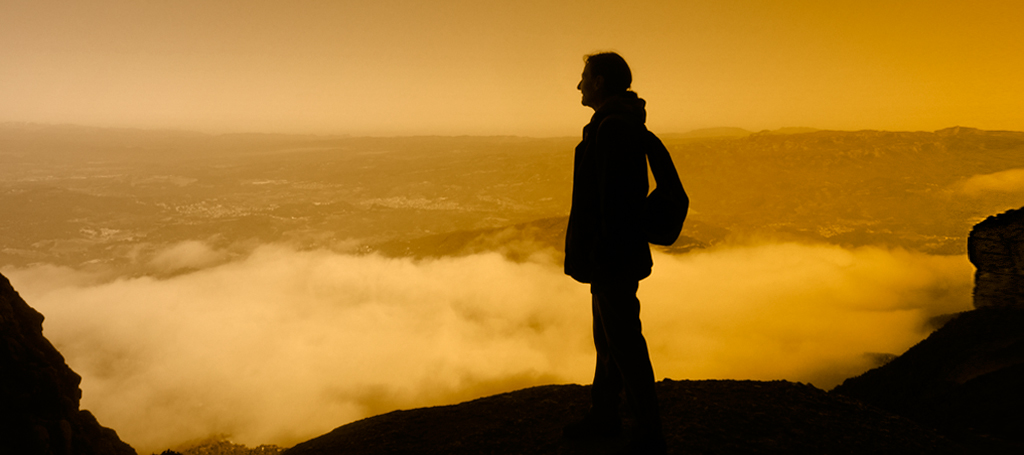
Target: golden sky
399 67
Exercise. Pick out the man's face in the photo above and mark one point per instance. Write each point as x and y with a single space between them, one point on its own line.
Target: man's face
590 86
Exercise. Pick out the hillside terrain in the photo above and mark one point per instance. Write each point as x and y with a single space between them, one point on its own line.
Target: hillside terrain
700 417
140 215
40 414
92 197
964 379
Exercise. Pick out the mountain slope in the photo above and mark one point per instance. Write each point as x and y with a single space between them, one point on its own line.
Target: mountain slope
964 379
706 417
84 196
39 394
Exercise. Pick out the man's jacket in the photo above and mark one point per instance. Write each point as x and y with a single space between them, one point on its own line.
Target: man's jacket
605 238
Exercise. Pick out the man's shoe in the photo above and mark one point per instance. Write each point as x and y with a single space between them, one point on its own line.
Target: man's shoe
593 426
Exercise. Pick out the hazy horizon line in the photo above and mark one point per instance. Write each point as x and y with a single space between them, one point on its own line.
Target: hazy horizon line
737 131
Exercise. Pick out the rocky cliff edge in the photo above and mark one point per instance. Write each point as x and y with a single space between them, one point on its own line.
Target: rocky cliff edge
39 394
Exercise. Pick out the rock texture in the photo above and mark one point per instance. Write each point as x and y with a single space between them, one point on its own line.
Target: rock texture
700 417
965 378
996 248
39 394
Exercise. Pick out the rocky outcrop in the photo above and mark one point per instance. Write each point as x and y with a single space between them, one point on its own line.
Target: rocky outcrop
39 394
699 417
966 377
996 248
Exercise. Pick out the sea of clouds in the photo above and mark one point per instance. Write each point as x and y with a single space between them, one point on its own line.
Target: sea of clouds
282 345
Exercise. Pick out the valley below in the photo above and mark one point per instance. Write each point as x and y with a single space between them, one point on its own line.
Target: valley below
269 288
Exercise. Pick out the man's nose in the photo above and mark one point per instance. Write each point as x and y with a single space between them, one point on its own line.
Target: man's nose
579 85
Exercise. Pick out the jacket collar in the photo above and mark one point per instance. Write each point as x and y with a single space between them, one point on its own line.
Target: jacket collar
627 104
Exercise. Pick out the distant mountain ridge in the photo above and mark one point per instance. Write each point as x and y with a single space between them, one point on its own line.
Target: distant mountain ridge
897 189
77 196
730 132
900 189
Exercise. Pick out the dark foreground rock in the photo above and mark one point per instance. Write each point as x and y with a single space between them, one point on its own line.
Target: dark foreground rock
39 394
700 417
966 379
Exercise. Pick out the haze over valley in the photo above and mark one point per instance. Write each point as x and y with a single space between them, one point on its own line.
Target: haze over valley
261 220
272 287
88 197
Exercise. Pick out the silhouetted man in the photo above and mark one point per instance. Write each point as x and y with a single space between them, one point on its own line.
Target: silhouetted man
605 246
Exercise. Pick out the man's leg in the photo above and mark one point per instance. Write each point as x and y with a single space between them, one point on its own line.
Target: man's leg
618 309
605 393
603 418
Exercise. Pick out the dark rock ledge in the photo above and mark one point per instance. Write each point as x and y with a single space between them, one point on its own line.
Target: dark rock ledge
39 394
700 417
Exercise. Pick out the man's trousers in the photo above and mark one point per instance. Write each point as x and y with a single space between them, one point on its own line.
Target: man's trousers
623 362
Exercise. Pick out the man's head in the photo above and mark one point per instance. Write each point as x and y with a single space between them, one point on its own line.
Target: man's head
605 75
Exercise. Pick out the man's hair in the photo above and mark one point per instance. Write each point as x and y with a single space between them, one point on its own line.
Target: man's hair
613 68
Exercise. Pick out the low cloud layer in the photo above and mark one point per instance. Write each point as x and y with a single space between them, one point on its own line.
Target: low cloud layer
189 254
284 345
1008 181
